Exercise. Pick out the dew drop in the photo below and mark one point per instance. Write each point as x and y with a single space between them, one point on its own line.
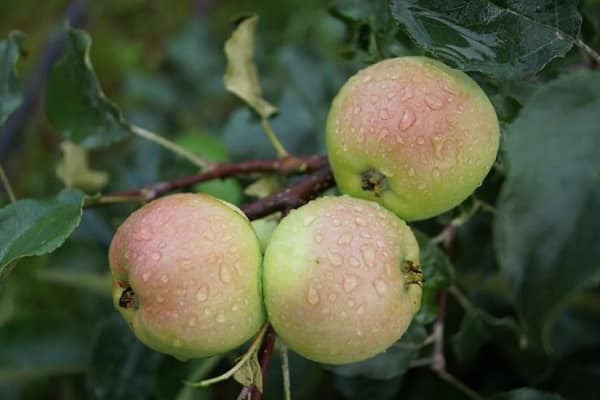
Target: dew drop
336 222
156 256
332 297
437 142
421 186
177 343
365 235
380 244
345 238
383 133
234 307
335 259
436 173
225 274
313 296
384 114
146 276
164 279
318 238
350 303
408 93
220 318
420 140
368 255
433 102
350 282
407 119
354 262
411 172
202 293
160 299
358 332
309 220
360 221
380 286
356 110
192 321
367 78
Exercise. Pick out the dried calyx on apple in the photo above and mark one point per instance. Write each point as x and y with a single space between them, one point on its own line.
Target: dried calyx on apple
412 134
186 275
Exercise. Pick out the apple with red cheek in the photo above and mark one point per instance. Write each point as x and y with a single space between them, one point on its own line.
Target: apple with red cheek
342 279
412 134
186 274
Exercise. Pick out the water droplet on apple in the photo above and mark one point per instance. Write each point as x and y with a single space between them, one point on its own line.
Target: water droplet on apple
380 286
225 274
313 296
202 293
350 282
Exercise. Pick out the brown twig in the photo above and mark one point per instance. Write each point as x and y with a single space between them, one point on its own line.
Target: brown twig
293 196
290 165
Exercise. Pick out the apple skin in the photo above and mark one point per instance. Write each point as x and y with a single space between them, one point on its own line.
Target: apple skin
186 275
341 279
412 134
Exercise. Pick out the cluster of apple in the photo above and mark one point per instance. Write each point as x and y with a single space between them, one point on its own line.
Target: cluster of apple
340 280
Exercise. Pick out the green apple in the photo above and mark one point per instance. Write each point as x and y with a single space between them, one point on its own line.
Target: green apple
342 279
186 275
412 134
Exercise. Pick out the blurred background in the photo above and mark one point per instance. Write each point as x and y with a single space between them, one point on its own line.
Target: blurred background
162 62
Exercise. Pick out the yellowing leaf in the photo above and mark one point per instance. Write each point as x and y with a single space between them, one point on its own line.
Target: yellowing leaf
241 77
250 374
264 187
74 169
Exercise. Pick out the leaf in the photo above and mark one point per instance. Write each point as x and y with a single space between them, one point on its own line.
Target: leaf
42 345
390 364
89 281
121 367
527 394
241 77
437 274
35 227
75 103
549 208
250 373
505 39
478 328
10 89
74 169
264 186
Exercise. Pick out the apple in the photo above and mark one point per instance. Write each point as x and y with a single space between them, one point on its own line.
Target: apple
186 275
412 134
342 279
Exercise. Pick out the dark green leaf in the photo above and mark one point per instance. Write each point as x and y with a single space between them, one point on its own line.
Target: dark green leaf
437 274
121 367
546 231
41 345
390 364
478 328
526 394
361 388
506 39
75 103
10 88
36 227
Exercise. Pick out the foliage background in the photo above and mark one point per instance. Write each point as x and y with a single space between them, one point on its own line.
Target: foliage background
524 305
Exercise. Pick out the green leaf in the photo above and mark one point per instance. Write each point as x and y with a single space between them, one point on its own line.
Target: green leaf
526 394
75 172
390 364
10 88
35 227
75 103
121 367
437 274
546 231
241 77
507 39
478 328
41 345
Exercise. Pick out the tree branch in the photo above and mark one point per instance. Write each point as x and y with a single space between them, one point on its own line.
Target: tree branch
286 166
